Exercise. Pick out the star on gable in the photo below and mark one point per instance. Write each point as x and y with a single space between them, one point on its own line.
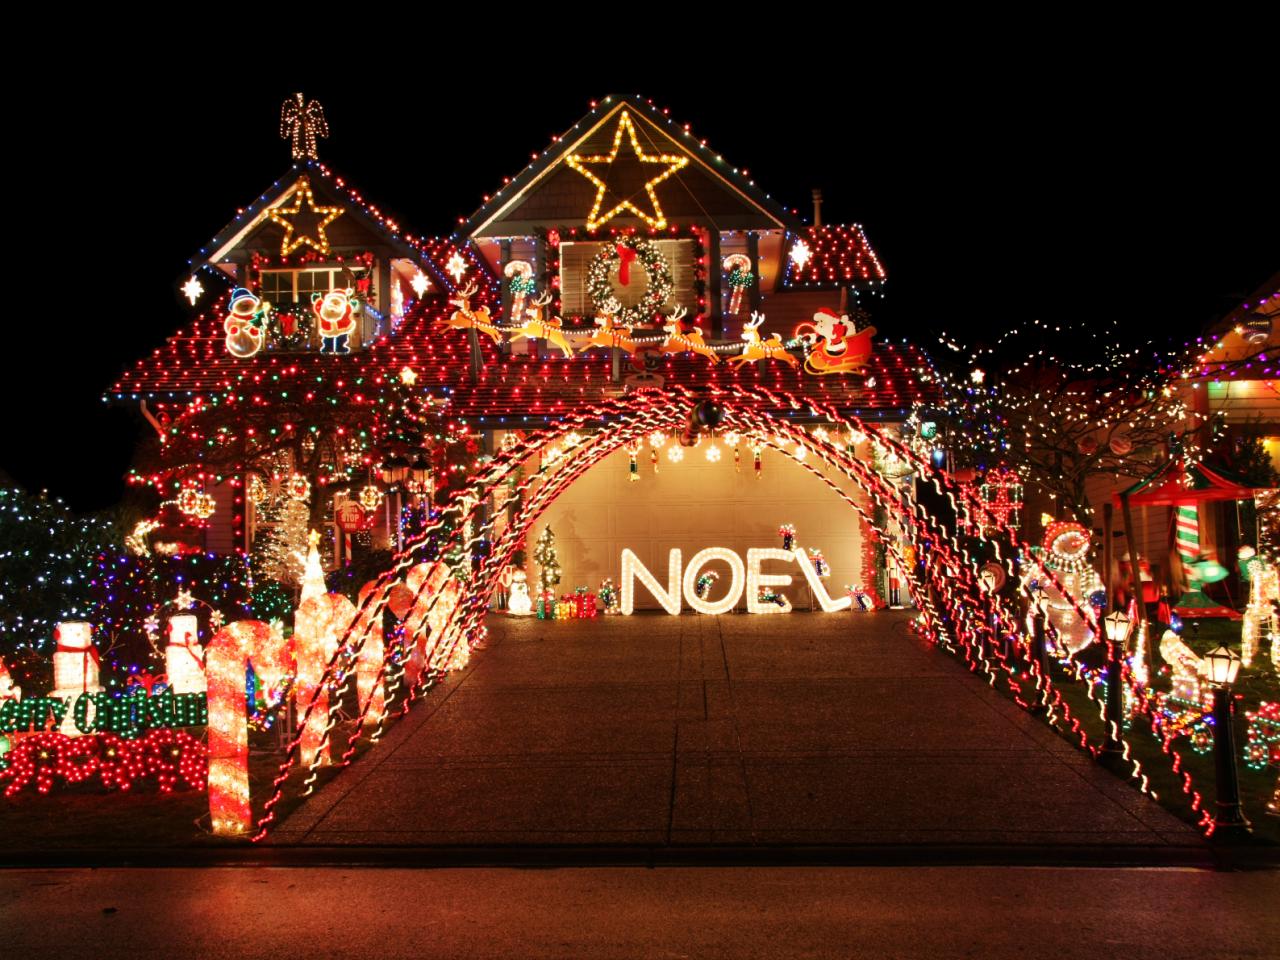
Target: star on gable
669 164
323 216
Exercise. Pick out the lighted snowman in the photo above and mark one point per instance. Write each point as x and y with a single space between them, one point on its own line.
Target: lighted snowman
1067 555
245 323
520 603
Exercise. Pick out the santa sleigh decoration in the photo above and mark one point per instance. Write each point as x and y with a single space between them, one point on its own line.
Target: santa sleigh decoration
832 345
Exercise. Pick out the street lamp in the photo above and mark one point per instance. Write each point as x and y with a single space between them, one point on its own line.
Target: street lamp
1117 626
1219 669
395 470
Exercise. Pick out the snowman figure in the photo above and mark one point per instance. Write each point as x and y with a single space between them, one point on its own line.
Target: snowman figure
335 316
833 345
520 604
246 323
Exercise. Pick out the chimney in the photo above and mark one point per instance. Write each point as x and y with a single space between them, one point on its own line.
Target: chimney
817 206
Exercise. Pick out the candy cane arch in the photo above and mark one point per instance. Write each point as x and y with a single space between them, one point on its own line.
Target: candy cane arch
442 617
234 648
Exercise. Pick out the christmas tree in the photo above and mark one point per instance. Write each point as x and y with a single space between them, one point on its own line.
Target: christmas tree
280 550
544 555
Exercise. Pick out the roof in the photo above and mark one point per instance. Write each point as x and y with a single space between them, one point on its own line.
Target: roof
592 134
1177 482
426 250
510 391
839 256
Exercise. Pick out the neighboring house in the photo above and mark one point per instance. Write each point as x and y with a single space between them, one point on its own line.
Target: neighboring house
1236 393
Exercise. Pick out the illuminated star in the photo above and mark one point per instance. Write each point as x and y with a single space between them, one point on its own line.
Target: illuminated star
800 254
456 267
184 600
977 376
408 377
302 194
192 290
671 163
216 619
420 283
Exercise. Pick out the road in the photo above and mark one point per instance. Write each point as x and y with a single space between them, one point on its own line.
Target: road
704 913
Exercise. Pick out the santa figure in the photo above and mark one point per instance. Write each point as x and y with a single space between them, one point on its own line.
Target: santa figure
335 316
832 343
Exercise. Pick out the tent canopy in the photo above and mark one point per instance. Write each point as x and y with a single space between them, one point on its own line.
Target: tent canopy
1178 482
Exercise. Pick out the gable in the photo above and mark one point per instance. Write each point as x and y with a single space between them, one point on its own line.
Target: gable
644 170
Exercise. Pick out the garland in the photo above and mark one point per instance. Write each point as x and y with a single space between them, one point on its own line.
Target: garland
656 267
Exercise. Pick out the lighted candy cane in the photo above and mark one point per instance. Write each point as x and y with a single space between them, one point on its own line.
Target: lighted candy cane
370 688
738 266
317 627
520 273
231 650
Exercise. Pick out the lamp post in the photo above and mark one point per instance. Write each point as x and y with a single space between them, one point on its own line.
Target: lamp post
987 582
1219 668
1039 628
1117 627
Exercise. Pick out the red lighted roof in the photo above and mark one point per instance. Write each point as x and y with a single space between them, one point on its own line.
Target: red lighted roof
510 389
839 256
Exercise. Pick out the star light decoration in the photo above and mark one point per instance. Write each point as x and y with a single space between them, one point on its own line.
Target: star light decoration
192 290
800 254
216 619
420 284
456 267
671 163
408 377
279 215
184 600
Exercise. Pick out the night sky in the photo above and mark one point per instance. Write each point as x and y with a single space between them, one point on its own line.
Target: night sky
992 195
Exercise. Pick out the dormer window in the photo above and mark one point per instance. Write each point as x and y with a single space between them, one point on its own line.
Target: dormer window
296 286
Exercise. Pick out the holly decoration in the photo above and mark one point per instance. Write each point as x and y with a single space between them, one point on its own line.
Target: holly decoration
620 255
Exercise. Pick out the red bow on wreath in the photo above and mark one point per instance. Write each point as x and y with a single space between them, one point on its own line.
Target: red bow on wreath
625 256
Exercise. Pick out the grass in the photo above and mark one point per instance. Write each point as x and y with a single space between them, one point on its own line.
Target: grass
1255 685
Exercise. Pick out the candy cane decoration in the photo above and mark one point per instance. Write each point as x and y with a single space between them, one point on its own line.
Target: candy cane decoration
520 273
738 266
370 682
232 649
317 626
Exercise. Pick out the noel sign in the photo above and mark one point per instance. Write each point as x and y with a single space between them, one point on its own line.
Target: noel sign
748 576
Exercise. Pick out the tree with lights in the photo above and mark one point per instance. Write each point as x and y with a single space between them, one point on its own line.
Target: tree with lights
1064 404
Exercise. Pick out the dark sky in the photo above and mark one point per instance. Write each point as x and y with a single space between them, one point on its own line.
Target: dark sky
1073 189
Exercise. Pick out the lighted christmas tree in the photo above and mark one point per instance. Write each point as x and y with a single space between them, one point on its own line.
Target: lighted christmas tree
280 550
544 555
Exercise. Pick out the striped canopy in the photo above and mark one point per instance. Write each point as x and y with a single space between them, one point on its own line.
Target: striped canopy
1178 482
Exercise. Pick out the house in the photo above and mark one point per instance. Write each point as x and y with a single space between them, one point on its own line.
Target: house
628 251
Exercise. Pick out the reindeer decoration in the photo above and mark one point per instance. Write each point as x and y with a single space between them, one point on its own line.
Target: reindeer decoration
680 342
534 327
464 318
757 349
609 333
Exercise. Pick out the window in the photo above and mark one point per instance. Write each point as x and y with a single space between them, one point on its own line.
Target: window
296 286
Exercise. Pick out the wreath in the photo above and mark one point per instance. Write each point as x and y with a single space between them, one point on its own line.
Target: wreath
621 253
